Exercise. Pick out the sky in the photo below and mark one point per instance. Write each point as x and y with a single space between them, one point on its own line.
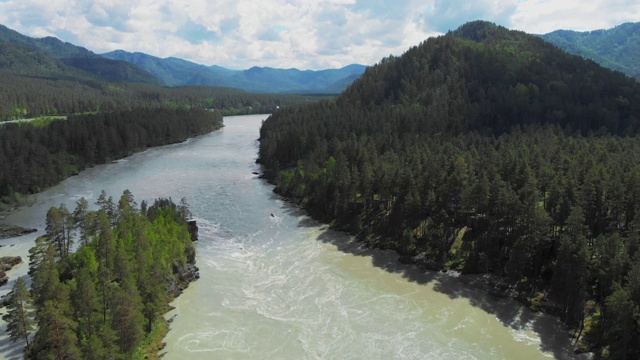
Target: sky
305 34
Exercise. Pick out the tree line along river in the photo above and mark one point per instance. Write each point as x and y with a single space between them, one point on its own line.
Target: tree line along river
284 286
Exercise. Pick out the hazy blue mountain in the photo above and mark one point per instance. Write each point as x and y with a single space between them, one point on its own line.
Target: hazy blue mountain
267 79
176 72
71 55
171 71
617 48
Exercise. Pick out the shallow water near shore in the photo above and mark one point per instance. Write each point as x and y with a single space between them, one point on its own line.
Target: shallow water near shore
277 285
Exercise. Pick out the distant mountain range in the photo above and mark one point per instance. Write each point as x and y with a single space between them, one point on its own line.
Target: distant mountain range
52 58
177 72
617 48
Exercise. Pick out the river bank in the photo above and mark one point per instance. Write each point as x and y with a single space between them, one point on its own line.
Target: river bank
10 231
491 284
289 280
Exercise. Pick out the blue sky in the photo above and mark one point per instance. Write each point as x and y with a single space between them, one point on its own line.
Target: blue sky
307 34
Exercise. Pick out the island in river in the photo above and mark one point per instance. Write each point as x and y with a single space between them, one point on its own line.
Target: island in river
68 288
105 299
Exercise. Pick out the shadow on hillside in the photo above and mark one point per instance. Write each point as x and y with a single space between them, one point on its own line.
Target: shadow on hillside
471 287
551 331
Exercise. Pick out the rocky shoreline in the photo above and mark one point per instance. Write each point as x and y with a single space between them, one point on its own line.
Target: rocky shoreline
188 273
9 231
489 283
6 264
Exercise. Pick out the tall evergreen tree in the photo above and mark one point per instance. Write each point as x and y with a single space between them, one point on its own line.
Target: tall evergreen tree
19 312
82 220
571 271
56 337
68 228
55 231
127 320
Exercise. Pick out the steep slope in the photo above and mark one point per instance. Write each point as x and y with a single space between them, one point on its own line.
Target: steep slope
484 151
483 77
172 71
20 60
617 48
48 46
79 58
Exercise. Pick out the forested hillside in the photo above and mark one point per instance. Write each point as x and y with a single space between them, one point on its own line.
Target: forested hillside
85 62
106 120
174 71
34 156
20 60
486 151
46 77
28 97
48 46
617 48
101 280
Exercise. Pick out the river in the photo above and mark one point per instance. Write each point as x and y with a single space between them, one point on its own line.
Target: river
277 285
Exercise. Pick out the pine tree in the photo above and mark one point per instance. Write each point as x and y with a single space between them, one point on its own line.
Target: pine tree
45 283
81 219
127 319
153 290
86 303
93 348
620 326
19 312
106 204
37 253
55 230
105 251
571 272
56 337
68 228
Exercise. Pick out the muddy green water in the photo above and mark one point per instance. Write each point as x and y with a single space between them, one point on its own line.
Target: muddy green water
285 287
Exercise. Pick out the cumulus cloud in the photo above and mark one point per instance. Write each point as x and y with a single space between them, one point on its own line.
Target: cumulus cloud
543 16
308 34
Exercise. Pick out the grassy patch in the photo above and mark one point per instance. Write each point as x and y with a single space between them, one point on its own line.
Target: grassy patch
456 256
43 121
153 344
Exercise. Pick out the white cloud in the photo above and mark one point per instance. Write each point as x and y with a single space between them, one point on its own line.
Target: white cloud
543 16
290 33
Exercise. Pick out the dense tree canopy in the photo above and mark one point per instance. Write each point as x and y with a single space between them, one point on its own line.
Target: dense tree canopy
617 48
104 299
28 96
34 157
484 150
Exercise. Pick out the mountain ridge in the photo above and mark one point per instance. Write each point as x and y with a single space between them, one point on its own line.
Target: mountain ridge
617 48
178 72
73 56
484 151
511 73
